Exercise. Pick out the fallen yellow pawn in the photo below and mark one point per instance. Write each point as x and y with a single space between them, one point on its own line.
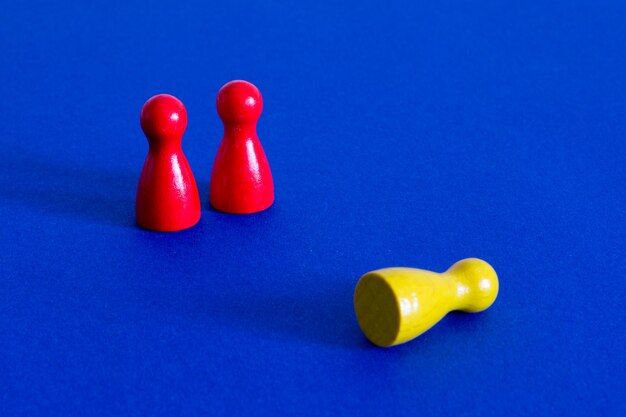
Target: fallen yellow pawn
395 305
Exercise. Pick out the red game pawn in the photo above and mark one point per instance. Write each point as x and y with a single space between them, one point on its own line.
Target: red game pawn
167 195
241 181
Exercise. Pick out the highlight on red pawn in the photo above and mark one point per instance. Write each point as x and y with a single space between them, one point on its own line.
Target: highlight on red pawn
241 179
167 195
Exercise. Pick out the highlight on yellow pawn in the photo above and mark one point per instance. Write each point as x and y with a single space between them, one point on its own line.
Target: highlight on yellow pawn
395 305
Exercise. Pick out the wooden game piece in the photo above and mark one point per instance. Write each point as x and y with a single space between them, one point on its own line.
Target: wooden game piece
167 195
241 181
395 305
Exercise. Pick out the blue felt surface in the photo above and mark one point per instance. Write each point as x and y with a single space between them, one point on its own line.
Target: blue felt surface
401 133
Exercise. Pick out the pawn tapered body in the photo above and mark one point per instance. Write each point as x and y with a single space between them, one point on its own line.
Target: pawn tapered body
241 181
167 195
394 305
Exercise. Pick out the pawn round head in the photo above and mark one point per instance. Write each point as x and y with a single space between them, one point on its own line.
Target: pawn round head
480 280
163 118
239 102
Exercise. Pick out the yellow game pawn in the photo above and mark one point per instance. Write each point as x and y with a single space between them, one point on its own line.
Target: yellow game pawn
395 305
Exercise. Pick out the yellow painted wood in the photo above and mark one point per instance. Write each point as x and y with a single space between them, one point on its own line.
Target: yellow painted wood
395 305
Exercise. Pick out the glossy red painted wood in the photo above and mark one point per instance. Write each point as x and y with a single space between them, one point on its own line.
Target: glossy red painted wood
241 181
167 195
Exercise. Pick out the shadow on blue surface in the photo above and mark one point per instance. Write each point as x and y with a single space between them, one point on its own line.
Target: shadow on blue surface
326 319
43 184
323 318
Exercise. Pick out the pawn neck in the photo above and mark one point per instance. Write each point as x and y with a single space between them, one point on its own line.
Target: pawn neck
171 145
461 291
239 130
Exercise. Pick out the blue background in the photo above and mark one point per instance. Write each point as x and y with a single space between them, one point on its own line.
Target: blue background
401 133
